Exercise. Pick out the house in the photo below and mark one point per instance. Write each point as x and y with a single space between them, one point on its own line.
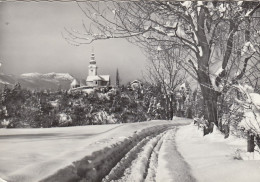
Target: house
75 84
136 84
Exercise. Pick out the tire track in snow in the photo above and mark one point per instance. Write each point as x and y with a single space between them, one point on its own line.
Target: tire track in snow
153 162
118 171
138 169
140 163
171 165
155 158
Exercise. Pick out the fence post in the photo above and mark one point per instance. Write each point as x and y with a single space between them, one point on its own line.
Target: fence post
250 141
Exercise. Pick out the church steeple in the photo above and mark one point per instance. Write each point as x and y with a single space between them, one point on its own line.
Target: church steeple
92 58
92 68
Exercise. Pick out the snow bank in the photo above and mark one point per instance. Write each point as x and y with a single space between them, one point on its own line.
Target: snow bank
251 121
213 158
251 109
1 180
255 98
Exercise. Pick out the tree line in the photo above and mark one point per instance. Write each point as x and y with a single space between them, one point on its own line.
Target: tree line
21 107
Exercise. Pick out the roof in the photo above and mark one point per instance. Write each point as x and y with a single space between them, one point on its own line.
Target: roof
105 77
136 81
98 77
74 82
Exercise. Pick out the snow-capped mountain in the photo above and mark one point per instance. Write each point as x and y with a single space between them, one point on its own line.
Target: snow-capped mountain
38 81
56 76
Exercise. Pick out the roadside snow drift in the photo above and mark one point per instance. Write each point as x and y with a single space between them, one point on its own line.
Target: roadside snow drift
213 158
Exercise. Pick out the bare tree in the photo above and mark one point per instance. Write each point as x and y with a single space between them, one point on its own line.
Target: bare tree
206 30
165 70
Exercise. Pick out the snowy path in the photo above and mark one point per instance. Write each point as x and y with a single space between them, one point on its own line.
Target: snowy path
77 153
155 158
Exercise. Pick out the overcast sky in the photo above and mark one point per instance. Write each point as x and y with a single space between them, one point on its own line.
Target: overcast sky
31 41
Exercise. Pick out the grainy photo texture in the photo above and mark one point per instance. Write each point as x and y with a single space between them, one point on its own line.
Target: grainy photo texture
129 91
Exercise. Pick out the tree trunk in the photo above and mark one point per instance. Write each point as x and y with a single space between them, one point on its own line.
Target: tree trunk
171 108
167 107
210 97
257 140
189 112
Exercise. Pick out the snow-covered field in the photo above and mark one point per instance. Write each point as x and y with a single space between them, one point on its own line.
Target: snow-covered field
31 153
34 154
213 158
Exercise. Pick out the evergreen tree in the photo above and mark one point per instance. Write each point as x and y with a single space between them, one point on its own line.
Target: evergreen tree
16 91
117 78
5 94
17 86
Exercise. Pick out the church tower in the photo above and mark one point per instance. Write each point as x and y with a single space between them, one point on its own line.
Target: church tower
92 68
93 79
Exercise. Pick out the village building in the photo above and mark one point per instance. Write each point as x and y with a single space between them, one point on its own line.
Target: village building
136 85
75 84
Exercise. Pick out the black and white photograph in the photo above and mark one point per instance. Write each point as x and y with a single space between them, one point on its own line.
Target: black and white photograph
129 91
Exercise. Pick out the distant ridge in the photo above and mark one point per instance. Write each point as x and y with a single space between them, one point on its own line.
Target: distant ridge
57 76
38 81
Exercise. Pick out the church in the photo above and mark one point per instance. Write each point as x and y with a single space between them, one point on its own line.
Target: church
93 79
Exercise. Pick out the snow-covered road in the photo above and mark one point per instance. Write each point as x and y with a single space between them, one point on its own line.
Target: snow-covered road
139 151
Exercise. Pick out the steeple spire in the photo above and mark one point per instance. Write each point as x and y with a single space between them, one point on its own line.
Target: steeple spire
92 58
92 68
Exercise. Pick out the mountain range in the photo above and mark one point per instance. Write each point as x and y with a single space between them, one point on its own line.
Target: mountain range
38 81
